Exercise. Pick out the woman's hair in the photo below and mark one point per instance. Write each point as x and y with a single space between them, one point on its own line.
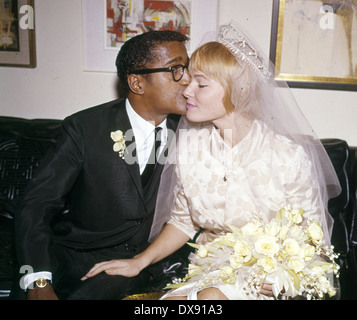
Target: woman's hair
217 63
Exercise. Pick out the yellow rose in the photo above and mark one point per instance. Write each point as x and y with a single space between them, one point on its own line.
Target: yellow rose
236 261
117 135
295 216
291 247
269 264
314 232
267 245
227 274
296 263
307 252
118 146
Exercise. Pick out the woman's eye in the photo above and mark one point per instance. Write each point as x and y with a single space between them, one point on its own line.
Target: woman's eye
202 85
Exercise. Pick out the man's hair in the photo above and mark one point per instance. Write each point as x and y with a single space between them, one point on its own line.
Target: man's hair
137 52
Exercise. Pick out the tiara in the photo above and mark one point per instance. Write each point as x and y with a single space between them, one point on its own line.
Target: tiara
242 49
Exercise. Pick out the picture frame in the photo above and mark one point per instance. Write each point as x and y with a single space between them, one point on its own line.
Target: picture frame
98 57
314 43
17 34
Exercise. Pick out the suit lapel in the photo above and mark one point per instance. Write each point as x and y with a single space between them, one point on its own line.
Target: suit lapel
124 125
172 122
133 168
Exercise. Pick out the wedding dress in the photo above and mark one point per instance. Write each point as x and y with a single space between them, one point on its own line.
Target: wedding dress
265 172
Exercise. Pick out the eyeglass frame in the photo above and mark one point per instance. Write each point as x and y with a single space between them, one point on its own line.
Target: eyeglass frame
168 69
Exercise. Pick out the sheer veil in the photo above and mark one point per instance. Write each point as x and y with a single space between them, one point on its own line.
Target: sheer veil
267 100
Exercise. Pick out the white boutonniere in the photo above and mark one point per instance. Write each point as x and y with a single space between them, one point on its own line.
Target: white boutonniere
119 145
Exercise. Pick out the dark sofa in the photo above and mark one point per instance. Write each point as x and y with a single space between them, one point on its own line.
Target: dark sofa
23 143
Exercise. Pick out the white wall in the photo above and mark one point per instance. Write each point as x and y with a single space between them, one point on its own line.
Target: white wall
59 87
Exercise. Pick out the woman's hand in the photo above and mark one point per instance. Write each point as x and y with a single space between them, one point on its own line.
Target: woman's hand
169 240
267 289
126 267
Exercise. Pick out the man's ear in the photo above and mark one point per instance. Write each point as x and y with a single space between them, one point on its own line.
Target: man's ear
135 83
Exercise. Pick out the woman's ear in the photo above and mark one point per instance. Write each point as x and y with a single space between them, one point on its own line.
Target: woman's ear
135 85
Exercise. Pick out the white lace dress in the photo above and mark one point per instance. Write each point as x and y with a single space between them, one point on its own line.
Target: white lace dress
263 173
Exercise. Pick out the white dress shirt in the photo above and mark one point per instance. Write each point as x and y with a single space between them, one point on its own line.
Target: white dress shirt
144 136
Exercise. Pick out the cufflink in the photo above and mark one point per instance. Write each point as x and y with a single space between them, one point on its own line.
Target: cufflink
41 283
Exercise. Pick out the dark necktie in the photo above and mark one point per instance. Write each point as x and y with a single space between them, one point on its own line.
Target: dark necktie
150 166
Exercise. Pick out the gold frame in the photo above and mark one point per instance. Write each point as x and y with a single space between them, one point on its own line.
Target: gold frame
26 56
310 78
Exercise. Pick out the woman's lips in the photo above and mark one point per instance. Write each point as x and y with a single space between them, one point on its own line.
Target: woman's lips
190 106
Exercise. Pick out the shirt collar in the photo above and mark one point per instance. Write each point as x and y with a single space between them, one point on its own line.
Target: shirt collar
142 128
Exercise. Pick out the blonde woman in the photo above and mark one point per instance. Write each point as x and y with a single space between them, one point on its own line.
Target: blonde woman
243 147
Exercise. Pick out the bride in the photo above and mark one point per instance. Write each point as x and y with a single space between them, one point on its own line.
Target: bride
244 146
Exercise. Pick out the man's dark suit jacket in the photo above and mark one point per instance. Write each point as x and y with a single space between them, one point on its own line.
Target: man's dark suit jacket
103 197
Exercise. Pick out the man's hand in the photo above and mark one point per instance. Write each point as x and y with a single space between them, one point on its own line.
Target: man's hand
46 293
126 267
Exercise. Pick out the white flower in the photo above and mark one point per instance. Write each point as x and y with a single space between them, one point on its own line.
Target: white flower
307 252
314 232
242 249
193 270
251 228
281 250
236 261
296 263
295 216
202 251
225 240
272 228
267 245
283 232
227 274
291 247
269 264
117 135
296 232
119 145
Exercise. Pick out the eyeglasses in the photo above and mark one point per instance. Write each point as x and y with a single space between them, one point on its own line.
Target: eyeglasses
176 71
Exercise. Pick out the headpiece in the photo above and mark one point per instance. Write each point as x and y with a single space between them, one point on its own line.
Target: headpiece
242 48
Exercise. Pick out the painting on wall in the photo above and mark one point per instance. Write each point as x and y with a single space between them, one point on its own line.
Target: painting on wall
314 43
17 34
128 18
107 24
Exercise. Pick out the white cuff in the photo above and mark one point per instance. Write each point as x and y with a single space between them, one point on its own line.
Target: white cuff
32 277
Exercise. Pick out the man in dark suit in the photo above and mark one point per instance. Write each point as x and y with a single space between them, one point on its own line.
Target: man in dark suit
108 207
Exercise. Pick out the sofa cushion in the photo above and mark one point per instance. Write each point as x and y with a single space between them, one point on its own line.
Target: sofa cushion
22 145
341 208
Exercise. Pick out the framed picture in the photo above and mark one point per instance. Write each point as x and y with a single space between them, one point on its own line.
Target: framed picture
107 24
125 19
17 33
314 43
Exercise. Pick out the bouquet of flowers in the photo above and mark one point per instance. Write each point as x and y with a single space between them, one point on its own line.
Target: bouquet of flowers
282 252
